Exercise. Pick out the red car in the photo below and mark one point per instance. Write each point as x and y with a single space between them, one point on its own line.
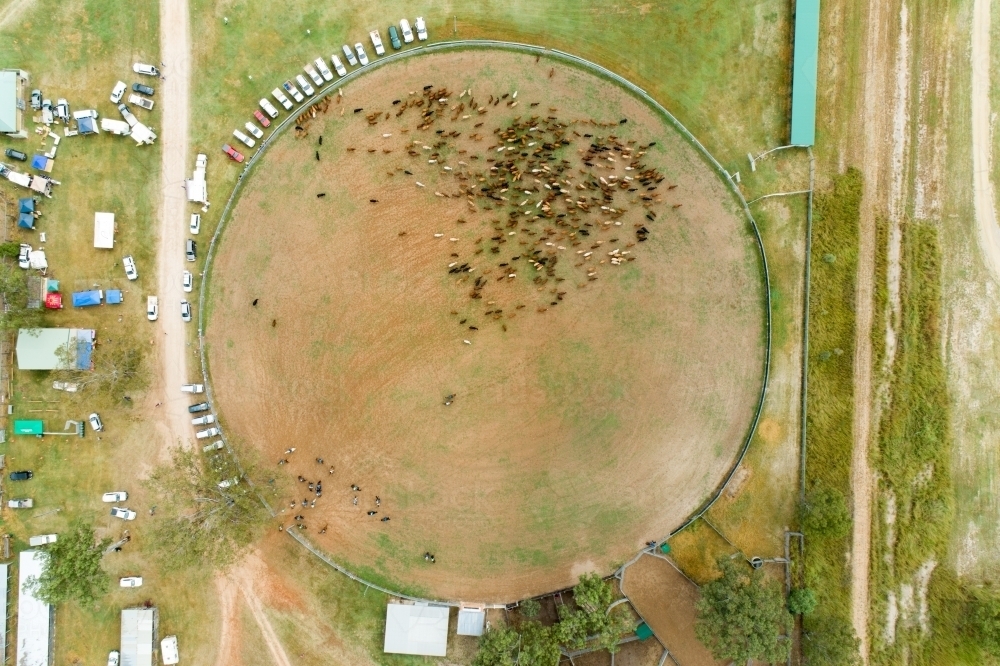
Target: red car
234 155
261 118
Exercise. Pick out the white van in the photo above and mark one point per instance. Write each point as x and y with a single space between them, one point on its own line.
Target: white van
168 651
152 308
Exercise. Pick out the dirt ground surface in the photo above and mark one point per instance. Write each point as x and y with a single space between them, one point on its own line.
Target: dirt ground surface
986 214
665 599
593 418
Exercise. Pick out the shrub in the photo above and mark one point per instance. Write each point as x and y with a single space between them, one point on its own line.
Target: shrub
824 514
801 601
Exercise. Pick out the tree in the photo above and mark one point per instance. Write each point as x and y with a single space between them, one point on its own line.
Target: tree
539 645
593 597
72 568
530 609
983 620
14 291
830 641
10 250
198 522
742 616
497 647
824 514
119 367
801 601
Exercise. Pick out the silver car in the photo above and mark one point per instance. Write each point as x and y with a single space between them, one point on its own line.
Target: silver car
349 54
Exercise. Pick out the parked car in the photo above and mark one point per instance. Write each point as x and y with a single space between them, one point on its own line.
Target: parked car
15 154
205 434
127 115
116 496
316 78
117 92
24 256
339 66
187 281
234 154
23 475
131 581
124 514
349 54
141 101
280 96
26 503
244 138
323 69
293 91
377 42
139 88
362 56
185 311
269 109
148 70
62 109
253 129
192 388
228 483
113 658
129 264
394 38
42 539
152 308
404 26
214 446
306 87
169 652
421 28
36 99
95 422
198 407
190 250
203 420
195 226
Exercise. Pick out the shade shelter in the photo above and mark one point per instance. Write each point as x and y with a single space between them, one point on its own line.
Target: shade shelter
417 629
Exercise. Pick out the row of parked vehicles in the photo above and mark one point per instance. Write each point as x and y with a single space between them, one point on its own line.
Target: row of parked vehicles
319 75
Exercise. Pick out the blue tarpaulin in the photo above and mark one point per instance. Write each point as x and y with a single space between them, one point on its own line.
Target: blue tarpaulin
84 298
84 349
85 125
26 221
26 205
40 162
114 297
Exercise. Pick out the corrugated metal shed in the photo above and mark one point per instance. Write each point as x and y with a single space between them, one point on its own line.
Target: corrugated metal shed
805 60
416 629
138 636
471 621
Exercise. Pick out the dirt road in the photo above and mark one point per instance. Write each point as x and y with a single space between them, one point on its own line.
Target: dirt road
175 49
986 214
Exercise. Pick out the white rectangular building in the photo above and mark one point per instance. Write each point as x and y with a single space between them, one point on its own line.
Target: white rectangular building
34 616
138 636
416 629
104 230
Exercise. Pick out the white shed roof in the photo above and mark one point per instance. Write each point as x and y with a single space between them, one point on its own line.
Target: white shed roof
138 629
34 616
471 621
413 629
4 600
104 230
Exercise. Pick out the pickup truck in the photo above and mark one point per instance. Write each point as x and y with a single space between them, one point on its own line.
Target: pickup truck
42 539
377 42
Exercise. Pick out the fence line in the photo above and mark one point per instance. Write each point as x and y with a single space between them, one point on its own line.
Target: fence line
537 50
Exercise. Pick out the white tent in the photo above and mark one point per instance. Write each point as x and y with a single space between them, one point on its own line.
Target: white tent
104 230
416 629
34 616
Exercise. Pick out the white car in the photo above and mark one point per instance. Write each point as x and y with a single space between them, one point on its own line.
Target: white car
192 388
116 496
148 70
42 539
214 446
306 88
95 422
187 281
280 96
349 54
24 257
139 100
130 271
377 42
268 107
113 658
124 514
195 225
117 92
317 79
152 308
250 143
339 66
205 434
421 28
207 419
324 70
185 311
25 503
253 129
362 56
227 483
404 27
131 581
293 91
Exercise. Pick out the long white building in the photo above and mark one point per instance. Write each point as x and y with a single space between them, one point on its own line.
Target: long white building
34 616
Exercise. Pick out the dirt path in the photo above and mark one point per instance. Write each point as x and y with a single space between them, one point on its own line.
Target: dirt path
986 214
175 49
13 12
